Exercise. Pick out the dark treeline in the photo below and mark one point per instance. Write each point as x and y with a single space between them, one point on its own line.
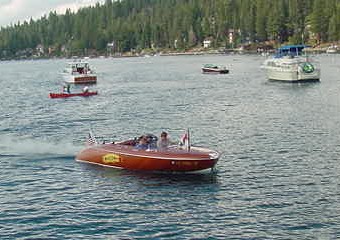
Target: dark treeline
134 25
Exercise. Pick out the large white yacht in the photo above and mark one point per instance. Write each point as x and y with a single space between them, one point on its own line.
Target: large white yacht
292 65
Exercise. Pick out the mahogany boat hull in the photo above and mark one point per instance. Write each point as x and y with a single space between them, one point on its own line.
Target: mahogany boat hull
127 157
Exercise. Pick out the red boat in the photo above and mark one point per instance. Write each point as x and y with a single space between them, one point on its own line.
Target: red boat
66 95
125 155
211 68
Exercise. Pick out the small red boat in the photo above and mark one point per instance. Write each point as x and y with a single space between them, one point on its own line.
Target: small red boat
66 95
211 68
125 155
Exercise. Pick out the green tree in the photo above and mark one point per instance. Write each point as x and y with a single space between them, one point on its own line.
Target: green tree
261 19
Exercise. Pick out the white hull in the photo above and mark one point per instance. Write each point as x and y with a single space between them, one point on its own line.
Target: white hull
331 51
279 74
291 69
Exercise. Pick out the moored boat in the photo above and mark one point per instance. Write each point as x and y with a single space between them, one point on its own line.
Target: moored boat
79 72
289 64
332 49
211 68
126 155
67 95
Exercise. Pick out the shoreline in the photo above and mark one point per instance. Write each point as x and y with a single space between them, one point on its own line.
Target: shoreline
314 51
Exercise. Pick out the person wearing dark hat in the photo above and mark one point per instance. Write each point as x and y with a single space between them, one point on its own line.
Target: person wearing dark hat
142 143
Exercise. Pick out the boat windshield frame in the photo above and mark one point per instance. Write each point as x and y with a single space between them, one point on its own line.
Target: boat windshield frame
78 64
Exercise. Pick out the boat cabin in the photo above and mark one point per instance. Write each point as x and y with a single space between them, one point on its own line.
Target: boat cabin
78 67
290 51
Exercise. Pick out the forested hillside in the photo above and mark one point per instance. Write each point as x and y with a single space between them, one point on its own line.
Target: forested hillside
133 25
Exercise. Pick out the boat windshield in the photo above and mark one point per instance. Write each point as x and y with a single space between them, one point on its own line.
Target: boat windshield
210 66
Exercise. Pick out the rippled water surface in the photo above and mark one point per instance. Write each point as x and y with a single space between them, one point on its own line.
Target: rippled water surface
278 177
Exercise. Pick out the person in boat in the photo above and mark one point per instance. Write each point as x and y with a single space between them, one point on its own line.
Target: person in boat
164 141
67 88
86 89
152 141
142 143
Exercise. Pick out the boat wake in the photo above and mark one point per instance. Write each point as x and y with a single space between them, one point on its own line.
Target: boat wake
14 147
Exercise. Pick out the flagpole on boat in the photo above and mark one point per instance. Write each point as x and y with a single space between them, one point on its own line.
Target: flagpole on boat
188 139
91 140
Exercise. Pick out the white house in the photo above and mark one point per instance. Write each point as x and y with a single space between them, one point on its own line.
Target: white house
40 49
206 43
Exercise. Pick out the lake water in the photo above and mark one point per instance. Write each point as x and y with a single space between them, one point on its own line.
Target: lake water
278 177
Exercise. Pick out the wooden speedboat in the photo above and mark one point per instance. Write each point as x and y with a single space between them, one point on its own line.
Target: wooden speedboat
125 155
67 95
79 72
211 68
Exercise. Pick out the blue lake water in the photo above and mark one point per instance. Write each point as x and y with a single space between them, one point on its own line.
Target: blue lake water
278 177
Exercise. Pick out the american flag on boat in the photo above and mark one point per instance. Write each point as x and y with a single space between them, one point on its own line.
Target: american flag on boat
91 139
185 140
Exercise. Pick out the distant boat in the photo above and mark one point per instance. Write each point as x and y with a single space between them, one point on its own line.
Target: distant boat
79 72
332 49
67 95
211 68
289 64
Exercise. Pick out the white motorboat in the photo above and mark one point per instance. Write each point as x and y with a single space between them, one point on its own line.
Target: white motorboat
79 71
290 64
332 49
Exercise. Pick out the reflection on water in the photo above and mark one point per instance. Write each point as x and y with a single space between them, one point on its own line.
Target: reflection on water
154 178
278 176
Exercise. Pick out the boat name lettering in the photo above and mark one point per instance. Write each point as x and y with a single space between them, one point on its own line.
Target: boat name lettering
111 158
185 163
